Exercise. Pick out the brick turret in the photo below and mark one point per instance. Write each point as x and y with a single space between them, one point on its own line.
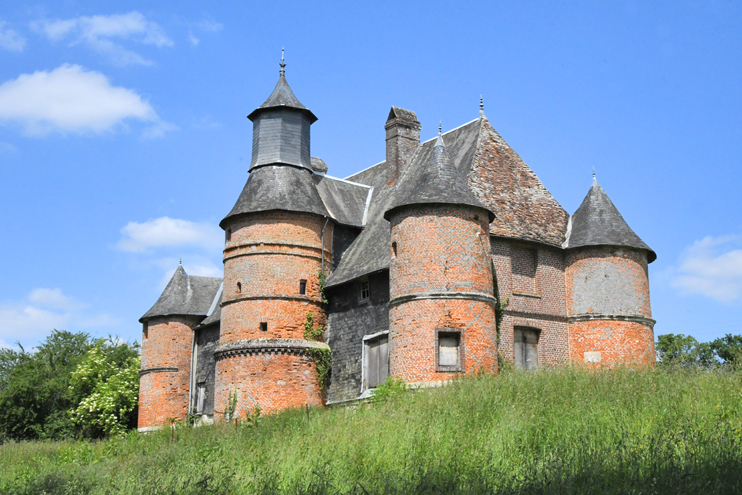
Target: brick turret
167 340
278 238
609 314
442 306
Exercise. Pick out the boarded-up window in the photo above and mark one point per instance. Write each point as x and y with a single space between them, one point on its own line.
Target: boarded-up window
200 398
523 262
449 351
526 348
377 361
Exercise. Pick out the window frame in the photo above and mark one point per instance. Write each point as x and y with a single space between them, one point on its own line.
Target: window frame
538 332
364 284
366 341
302 287
446 332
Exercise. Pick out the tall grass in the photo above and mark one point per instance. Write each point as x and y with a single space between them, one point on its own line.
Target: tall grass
561 431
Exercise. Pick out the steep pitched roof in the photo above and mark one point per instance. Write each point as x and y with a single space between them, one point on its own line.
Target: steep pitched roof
597 222
345 201
278 187
370 251
214 314
434 181
282 96
503 182
185 295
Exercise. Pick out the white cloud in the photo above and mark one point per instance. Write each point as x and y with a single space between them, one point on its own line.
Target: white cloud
99 31
7 148
711 267
194 41
209 25
169 232
71 99
40 312
10 40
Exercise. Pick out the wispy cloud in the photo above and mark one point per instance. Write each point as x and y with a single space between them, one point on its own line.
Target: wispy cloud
73 99
10 40
41 311
105 34
7 148
169 232
194 41
711 267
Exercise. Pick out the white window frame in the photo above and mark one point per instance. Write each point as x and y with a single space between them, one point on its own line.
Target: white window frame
364 347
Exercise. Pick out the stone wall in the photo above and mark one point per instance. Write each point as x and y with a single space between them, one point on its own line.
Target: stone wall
207 340
349 320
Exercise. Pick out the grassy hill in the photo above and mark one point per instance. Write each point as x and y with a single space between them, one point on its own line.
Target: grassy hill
562 431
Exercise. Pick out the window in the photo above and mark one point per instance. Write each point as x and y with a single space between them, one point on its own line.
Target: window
145 330
263 326
526 348
394 249
200 398
239 287
228 235
365 290
302 287
376 360
448 351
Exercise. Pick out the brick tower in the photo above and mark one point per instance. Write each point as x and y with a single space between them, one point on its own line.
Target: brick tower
608 311
278 239
167 340
442 304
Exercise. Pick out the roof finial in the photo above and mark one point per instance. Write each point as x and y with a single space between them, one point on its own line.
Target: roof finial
180 262
282 64
481 105
440 127
594 173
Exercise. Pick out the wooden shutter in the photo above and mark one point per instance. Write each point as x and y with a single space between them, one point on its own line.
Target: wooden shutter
372 364
526 348
383 359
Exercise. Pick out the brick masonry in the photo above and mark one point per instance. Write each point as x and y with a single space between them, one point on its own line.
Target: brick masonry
266 256
609 307
166 366
440 280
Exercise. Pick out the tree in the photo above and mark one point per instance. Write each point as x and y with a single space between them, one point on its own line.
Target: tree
683 350
34 387
108 381
729 349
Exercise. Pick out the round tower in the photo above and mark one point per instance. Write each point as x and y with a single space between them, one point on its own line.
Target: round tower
278 240
608 308
167 341
442 304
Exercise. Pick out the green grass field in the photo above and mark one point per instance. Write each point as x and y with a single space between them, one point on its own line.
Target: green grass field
559 431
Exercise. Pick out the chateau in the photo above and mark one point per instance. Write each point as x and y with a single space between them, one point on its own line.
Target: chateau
429 264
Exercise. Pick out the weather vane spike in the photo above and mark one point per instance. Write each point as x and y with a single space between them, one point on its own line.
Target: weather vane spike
593 173
481 105
282 64
440 127
180 262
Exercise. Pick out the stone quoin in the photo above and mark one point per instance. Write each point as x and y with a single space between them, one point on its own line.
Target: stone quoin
445 257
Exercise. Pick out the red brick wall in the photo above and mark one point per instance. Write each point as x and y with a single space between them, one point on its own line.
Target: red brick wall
268 254
440 249
166 343
618 342
274 381
542 308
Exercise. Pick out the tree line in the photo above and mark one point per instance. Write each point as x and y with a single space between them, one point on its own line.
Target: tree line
75 386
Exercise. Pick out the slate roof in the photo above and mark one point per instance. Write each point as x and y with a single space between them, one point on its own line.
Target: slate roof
215 314
278 187
185 295
345 201
369 253
282 96
597 222
434 181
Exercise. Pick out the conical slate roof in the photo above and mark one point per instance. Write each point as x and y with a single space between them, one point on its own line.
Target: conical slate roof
597 222
185 295
435 182
277 187
282 96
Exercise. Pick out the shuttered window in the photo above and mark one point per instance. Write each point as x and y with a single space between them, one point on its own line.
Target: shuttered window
526 348
377 361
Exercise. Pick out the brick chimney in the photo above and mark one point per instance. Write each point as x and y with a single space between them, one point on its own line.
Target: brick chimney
402 137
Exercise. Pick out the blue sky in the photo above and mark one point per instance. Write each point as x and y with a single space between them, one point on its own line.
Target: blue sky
123 137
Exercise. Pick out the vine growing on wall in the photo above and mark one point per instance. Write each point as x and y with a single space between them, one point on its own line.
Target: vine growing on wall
321 277
311 332
322 363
